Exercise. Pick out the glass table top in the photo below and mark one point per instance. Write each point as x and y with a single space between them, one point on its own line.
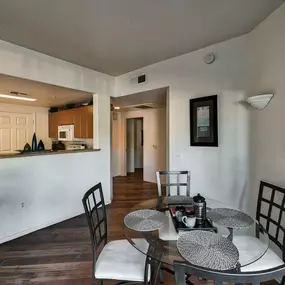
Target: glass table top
251 242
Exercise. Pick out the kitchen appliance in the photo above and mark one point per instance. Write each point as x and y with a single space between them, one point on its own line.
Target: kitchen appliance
75 147
56 146
200 209
66 133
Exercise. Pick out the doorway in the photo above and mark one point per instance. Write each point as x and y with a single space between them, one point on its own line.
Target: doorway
146 114
134 147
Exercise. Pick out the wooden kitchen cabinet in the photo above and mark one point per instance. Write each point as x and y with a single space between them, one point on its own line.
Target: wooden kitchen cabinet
81 118
53 124
87 122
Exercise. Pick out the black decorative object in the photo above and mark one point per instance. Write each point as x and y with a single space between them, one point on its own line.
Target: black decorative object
34 143
27 148
204 121
41 146
200 207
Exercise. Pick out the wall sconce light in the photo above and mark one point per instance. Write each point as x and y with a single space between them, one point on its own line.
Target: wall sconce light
258 102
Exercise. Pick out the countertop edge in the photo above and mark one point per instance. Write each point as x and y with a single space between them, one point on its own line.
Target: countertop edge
47 153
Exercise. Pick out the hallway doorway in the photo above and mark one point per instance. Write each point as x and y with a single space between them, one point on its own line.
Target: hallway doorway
140 135
134 146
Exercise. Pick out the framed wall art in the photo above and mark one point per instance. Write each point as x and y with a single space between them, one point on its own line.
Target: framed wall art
204 121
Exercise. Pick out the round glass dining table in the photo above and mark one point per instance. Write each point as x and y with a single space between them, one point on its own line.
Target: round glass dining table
251 242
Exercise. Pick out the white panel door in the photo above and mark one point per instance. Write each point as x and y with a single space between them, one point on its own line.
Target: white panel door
16 130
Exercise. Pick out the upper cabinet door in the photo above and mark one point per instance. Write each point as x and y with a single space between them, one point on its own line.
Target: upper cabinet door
53 124
81 118
66 117
87 122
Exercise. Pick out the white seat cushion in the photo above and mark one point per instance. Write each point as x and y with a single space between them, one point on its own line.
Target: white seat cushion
250 248
119 260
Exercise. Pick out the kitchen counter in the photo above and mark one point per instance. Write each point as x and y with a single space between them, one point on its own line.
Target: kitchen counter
47 152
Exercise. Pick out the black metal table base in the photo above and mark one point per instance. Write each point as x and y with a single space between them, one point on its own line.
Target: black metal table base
187 276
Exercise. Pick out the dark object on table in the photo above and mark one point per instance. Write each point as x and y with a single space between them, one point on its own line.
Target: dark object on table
90 103
27 148
41 146
204 121
34 143
179 213
56 146
180 226
200 208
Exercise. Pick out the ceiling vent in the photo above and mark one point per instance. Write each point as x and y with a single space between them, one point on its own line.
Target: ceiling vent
138 79
18 93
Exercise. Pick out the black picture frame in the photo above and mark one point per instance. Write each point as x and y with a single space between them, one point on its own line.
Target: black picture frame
204 130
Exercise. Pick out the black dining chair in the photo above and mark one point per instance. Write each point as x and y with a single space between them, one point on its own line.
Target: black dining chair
270 214
231 276
177 181
115 260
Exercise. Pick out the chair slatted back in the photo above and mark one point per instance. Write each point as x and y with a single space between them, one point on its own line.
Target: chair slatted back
173 180
231 276
95 211
270 213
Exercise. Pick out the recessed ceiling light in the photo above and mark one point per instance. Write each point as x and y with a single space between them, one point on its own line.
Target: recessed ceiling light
117 108
17 97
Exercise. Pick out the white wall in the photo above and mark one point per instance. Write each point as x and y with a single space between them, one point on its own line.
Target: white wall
216 172
24 63
267 62
41 120
154 154
51 191
117 137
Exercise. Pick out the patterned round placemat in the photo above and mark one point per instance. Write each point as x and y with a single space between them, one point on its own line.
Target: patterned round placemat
178 199
208 249
230 218
145 220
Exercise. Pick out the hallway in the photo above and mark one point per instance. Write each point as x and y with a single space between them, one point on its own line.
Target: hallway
133 188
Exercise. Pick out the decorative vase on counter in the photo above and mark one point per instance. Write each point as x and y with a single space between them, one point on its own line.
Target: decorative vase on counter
27 148
41 146
34 143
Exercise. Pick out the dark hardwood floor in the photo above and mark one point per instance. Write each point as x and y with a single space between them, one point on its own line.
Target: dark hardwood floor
61 254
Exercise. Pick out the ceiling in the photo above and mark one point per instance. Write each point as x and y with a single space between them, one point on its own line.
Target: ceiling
117 36
47 95
155 98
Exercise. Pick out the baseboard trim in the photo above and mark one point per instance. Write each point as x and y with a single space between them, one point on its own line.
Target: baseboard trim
41 226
